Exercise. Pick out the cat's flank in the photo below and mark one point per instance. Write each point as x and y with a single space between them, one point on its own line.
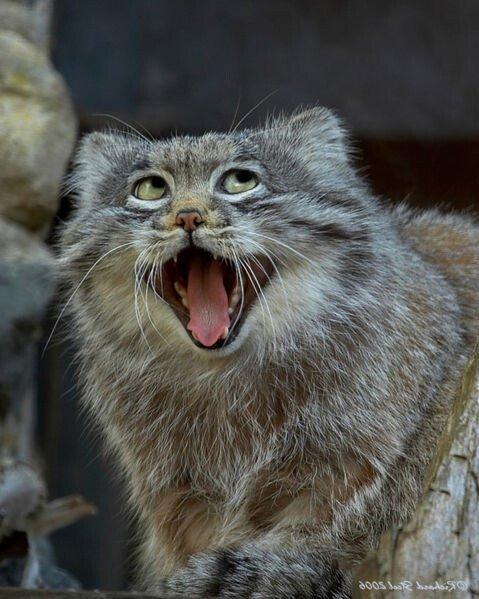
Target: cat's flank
270 351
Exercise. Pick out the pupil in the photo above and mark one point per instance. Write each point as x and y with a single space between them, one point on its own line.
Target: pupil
157 182
243 176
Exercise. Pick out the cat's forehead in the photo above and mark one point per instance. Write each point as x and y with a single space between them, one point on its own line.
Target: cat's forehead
195 154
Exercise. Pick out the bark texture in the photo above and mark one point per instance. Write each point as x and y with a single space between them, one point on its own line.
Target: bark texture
436 554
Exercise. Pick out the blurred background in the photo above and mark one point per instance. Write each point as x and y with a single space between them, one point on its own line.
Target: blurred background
403 75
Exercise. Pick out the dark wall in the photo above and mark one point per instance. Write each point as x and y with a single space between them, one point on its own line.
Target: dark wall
404 75
391 69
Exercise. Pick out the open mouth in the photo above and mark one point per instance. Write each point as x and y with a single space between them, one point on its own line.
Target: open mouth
210 297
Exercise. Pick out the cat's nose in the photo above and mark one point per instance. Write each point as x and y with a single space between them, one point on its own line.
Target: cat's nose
189 219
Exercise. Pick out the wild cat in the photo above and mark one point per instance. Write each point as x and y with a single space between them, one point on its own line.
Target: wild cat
269 350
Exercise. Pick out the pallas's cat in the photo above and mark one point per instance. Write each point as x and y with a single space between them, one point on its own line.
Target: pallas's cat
270 351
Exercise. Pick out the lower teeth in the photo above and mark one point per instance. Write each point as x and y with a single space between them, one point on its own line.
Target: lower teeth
234 299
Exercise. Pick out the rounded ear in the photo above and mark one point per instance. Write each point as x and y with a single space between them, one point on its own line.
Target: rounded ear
97 146
316 141
321 132
102 155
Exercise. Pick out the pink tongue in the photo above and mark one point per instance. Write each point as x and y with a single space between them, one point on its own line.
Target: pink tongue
207 301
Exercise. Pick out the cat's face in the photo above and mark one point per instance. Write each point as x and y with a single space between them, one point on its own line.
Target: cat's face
217 242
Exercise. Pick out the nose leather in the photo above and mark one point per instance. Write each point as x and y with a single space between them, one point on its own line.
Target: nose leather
189 219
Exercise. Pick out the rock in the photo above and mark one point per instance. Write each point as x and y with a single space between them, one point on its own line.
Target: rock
37 132
27 284
27 280
50 576
14 16
22 493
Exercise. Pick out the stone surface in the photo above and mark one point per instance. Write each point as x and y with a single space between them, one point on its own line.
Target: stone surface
37 132
22 493
27 280
27 284
15 16
51 577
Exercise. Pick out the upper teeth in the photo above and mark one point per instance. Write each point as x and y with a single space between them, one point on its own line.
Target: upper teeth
181 291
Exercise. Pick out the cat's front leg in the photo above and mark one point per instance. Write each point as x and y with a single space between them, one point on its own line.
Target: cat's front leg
258 573
293 557
306 557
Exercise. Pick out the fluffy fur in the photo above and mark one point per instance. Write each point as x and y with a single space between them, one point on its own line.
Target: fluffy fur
268 468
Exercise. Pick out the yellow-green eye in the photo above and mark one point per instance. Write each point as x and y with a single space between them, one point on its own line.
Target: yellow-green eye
151 188
238 181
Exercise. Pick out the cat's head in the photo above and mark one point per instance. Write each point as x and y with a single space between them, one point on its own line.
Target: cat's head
214 243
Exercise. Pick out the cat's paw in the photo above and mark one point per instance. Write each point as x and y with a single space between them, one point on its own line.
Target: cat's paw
252 574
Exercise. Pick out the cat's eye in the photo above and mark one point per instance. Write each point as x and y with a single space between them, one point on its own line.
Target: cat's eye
151 188
238 181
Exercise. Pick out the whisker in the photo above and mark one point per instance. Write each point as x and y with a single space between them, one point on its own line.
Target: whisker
273 264
254 281
90 270
255 107
122 122
137 287
235 114
158 273
151 286
258 292
238 271
285 245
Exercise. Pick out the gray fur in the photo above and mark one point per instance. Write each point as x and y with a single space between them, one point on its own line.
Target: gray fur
335 389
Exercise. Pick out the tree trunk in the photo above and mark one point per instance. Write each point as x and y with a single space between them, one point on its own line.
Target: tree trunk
436 554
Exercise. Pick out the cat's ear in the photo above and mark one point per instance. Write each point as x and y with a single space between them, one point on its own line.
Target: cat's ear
100 157
97 148
319 133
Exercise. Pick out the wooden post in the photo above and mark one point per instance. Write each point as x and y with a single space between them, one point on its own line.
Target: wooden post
439 547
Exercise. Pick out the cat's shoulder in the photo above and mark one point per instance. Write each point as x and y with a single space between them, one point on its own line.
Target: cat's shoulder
449 241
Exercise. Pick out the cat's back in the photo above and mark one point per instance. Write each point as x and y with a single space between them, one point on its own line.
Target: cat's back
450 242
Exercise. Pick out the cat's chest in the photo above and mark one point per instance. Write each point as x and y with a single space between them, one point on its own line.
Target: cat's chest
215 447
